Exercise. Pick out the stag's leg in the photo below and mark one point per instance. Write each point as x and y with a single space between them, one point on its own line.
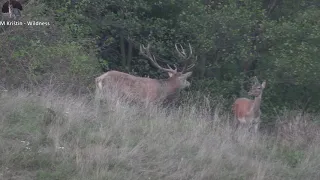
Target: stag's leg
146 104
96 95
97 101
256 127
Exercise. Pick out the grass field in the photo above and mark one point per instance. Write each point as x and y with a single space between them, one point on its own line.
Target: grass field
62 137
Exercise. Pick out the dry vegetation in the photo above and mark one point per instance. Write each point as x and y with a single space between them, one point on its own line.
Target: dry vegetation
63 137
47 135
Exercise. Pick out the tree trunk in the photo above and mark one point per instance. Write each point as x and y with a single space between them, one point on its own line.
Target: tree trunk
129 55
202 65
122 50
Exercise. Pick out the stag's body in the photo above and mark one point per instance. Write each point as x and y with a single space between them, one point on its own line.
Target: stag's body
138 88
247 111
142 89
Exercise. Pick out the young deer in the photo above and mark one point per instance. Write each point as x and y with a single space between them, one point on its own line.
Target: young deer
247 111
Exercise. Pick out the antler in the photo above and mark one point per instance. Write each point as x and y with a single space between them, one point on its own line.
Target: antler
182 54
145 51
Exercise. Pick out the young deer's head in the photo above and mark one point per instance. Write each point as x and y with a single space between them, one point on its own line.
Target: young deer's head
257 88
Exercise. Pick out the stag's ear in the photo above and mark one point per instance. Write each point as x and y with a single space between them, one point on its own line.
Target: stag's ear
170 74
186 75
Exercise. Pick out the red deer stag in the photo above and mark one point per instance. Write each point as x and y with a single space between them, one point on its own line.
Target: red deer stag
143 89
247 111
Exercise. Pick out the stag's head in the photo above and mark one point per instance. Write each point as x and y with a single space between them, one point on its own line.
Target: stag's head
178 78
257 88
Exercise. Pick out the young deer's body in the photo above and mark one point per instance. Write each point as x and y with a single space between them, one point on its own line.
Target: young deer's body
246 111
143 89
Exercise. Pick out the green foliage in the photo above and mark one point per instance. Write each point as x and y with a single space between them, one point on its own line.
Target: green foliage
34 59
292 157
23 120
292 63
233 40
277 41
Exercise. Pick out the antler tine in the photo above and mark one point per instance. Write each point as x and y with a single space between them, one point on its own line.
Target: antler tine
181 53
175 67
190 51
191 65
145 51
186 58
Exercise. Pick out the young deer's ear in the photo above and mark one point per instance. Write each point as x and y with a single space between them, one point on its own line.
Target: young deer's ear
264 84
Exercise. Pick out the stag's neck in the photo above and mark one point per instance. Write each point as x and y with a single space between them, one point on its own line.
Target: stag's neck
256 104
168 87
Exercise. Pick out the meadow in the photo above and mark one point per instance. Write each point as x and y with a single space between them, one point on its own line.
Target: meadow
52 129
51 136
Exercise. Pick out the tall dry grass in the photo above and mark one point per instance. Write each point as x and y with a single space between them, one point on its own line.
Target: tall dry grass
63 137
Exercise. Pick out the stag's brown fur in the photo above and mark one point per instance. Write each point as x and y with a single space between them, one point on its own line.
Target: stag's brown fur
140 88
144 89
